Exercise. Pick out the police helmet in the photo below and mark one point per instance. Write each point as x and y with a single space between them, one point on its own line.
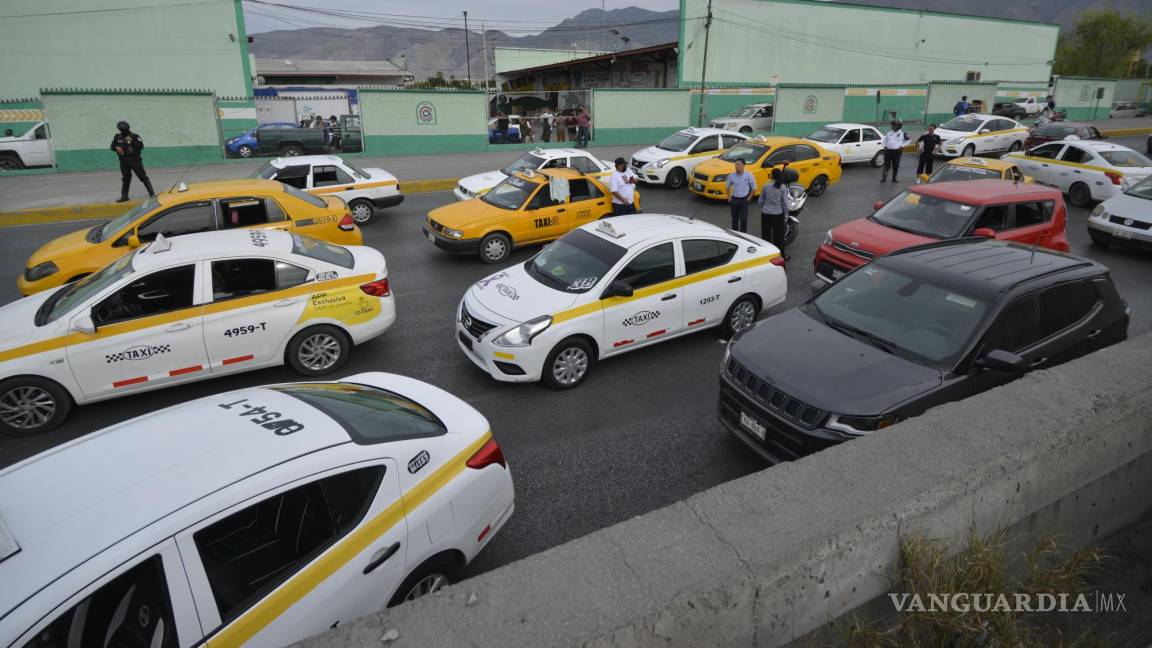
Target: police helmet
122 126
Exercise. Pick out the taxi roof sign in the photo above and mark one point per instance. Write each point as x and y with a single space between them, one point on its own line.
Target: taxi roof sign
977 161
161 244
606 228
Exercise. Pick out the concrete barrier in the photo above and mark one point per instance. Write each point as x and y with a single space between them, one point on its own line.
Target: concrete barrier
774 556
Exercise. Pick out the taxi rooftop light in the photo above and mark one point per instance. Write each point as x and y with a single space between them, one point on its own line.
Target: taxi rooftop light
606 228
161 244
183 186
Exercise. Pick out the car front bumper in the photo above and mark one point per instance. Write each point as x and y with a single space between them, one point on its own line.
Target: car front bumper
783 440
1120 234
707 189
506 364
652 174
832 263
455 246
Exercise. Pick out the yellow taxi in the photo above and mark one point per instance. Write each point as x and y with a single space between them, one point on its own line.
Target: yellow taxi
976 168
527 207
189 209
817 166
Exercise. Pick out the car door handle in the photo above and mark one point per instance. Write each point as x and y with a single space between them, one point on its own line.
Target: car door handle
285 302
668 297
1039 361
561 211
380 557
734 279
600 204
1094 334
177 327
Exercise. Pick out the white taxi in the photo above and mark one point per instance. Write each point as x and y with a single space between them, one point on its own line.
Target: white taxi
613 286
854 142
976 133
1087 170
188 308
672 161
364 190
538 158
256 517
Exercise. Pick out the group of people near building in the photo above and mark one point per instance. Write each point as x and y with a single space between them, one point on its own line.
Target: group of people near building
567 125
331 128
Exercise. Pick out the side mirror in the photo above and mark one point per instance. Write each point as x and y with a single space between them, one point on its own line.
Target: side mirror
83 324
984 130
617 289
133 240
985 232
877 205
1001 360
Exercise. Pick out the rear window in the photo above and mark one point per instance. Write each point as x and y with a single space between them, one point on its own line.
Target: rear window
370 415
307 246
315 201
1125 158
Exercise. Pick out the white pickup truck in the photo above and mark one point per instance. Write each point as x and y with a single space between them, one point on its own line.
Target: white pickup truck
32 149
1032 105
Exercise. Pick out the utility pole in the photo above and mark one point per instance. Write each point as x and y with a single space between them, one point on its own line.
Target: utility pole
484 48
603 26
704 67
468 51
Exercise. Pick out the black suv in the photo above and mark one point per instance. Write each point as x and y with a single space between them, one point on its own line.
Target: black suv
913 329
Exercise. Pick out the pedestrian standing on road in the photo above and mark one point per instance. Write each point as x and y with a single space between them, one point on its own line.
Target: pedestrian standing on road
894 141
549 120
128 146
741 186
961 107
622 184
774 211
927 143
583 121
561 125
528 135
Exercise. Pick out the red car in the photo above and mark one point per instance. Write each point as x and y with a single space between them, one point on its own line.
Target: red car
1022 213
1061 130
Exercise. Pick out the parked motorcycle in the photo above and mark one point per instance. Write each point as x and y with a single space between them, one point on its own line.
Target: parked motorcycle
797 198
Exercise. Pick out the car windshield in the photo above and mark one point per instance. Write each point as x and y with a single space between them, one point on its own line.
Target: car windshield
113 226
902 315
68 297
1125 158
925 215
828 135
306 246
358 171
575 262
368 414
315 201
510 194
527 161
747 152
950 172
265 172
962 124
1057 131
677 142
746 111
1142 189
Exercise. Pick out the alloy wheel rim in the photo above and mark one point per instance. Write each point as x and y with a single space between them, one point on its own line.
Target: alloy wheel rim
425 586
495 249
319 352
26 408
245 151
570 366
742 316
361 213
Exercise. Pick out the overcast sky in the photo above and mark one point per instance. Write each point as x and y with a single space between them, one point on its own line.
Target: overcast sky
519 17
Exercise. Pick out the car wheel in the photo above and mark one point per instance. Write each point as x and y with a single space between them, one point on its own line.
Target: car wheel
291 150
31 405
362 211
676 179
819 185
569 364
427 578
878 160
746 130
741 315
318 350
1080 195
245 151
1099 239
1016 146
969 150
10 163
495 247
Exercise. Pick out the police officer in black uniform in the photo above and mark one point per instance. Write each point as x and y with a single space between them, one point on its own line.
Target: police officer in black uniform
128 146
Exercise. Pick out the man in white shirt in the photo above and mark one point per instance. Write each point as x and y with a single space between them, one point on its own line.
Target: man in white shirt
549 122
622 184
894 141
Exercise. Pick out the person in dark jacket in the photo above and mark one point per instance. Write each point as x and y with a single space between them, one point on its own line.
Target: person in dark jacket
128 146
774 211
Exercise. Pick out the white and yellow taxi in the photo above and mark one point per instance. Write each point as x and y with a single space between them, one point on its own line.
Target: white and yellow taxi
610 287
672 161
364 190
1086 170
256 517
581 160
184 309
977 133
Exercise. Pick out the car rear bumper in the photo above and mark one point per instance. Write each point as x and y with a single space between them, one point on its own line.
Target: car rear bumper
388 201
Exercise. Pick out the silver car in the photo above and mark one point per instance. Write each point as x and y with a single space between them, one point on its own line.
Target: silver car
1126 110
1124 219
756 117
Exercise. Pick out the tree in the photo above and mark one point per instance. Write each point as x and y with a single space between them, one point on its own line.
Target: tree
1103 44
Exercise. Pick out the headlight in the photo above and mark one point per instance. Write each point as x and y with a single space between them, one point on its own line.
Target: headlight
828 240
1099 212
453 233
39 272
720 178
522 335
727 353
860 425
662 163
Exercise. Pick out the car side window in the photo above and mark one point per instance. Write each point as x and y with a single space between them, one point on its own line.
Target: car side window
869 135
294 176
706 144
1047 151
704 254
1092 133
185 219
1015 175
851 137
994 217
650 267
805 153
766 111
233 278
1033 213
160 292
1016 327
1065 304
326 176
585 165
250 552
41 132
543 198
730 140
554 163
246 212
1073 154
780 156
132 609
583 190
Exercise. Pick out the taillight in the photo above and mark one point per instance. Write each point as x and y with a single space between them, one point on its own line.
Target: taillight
346 223
779 261
1116 178
378 288
487 455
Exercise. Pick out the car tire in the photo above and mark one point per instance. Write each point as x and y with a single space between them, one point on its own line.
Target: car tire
741 315
569 364
361 211
969 151
318 350
819 185
676 178
10 163
292 150
42 405
1080 195
1015 146
245 151
429 577
745 130
495 247
1099 239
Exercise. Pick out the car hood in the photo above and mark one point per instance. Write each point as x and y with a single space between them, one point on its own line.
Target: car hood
62 247
946 134
830 370
514 295
482 181
873 237
716 166
17 320
1126 206
654 153
470 213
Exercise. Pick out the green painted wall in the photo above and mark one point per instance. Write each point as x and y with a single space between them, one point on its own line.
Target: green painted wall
1135 90
122 43
177 129
806 41
722 101
392 126
236 116
637 116
801 110
19 116
1015 91
943 95
907 102
1077 97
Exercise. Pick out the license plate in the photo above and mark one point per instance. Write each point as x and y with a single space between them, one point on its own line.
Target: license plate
430 236
697 186
465 340
1121 234
836 274
752 425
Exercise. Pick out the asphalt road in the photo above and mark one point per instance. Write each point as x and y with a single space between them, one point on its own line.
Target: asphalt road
639 435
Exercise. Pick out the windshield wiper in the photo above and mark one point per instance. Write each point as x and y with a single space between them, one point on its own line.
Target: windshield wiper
537 272
876 340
